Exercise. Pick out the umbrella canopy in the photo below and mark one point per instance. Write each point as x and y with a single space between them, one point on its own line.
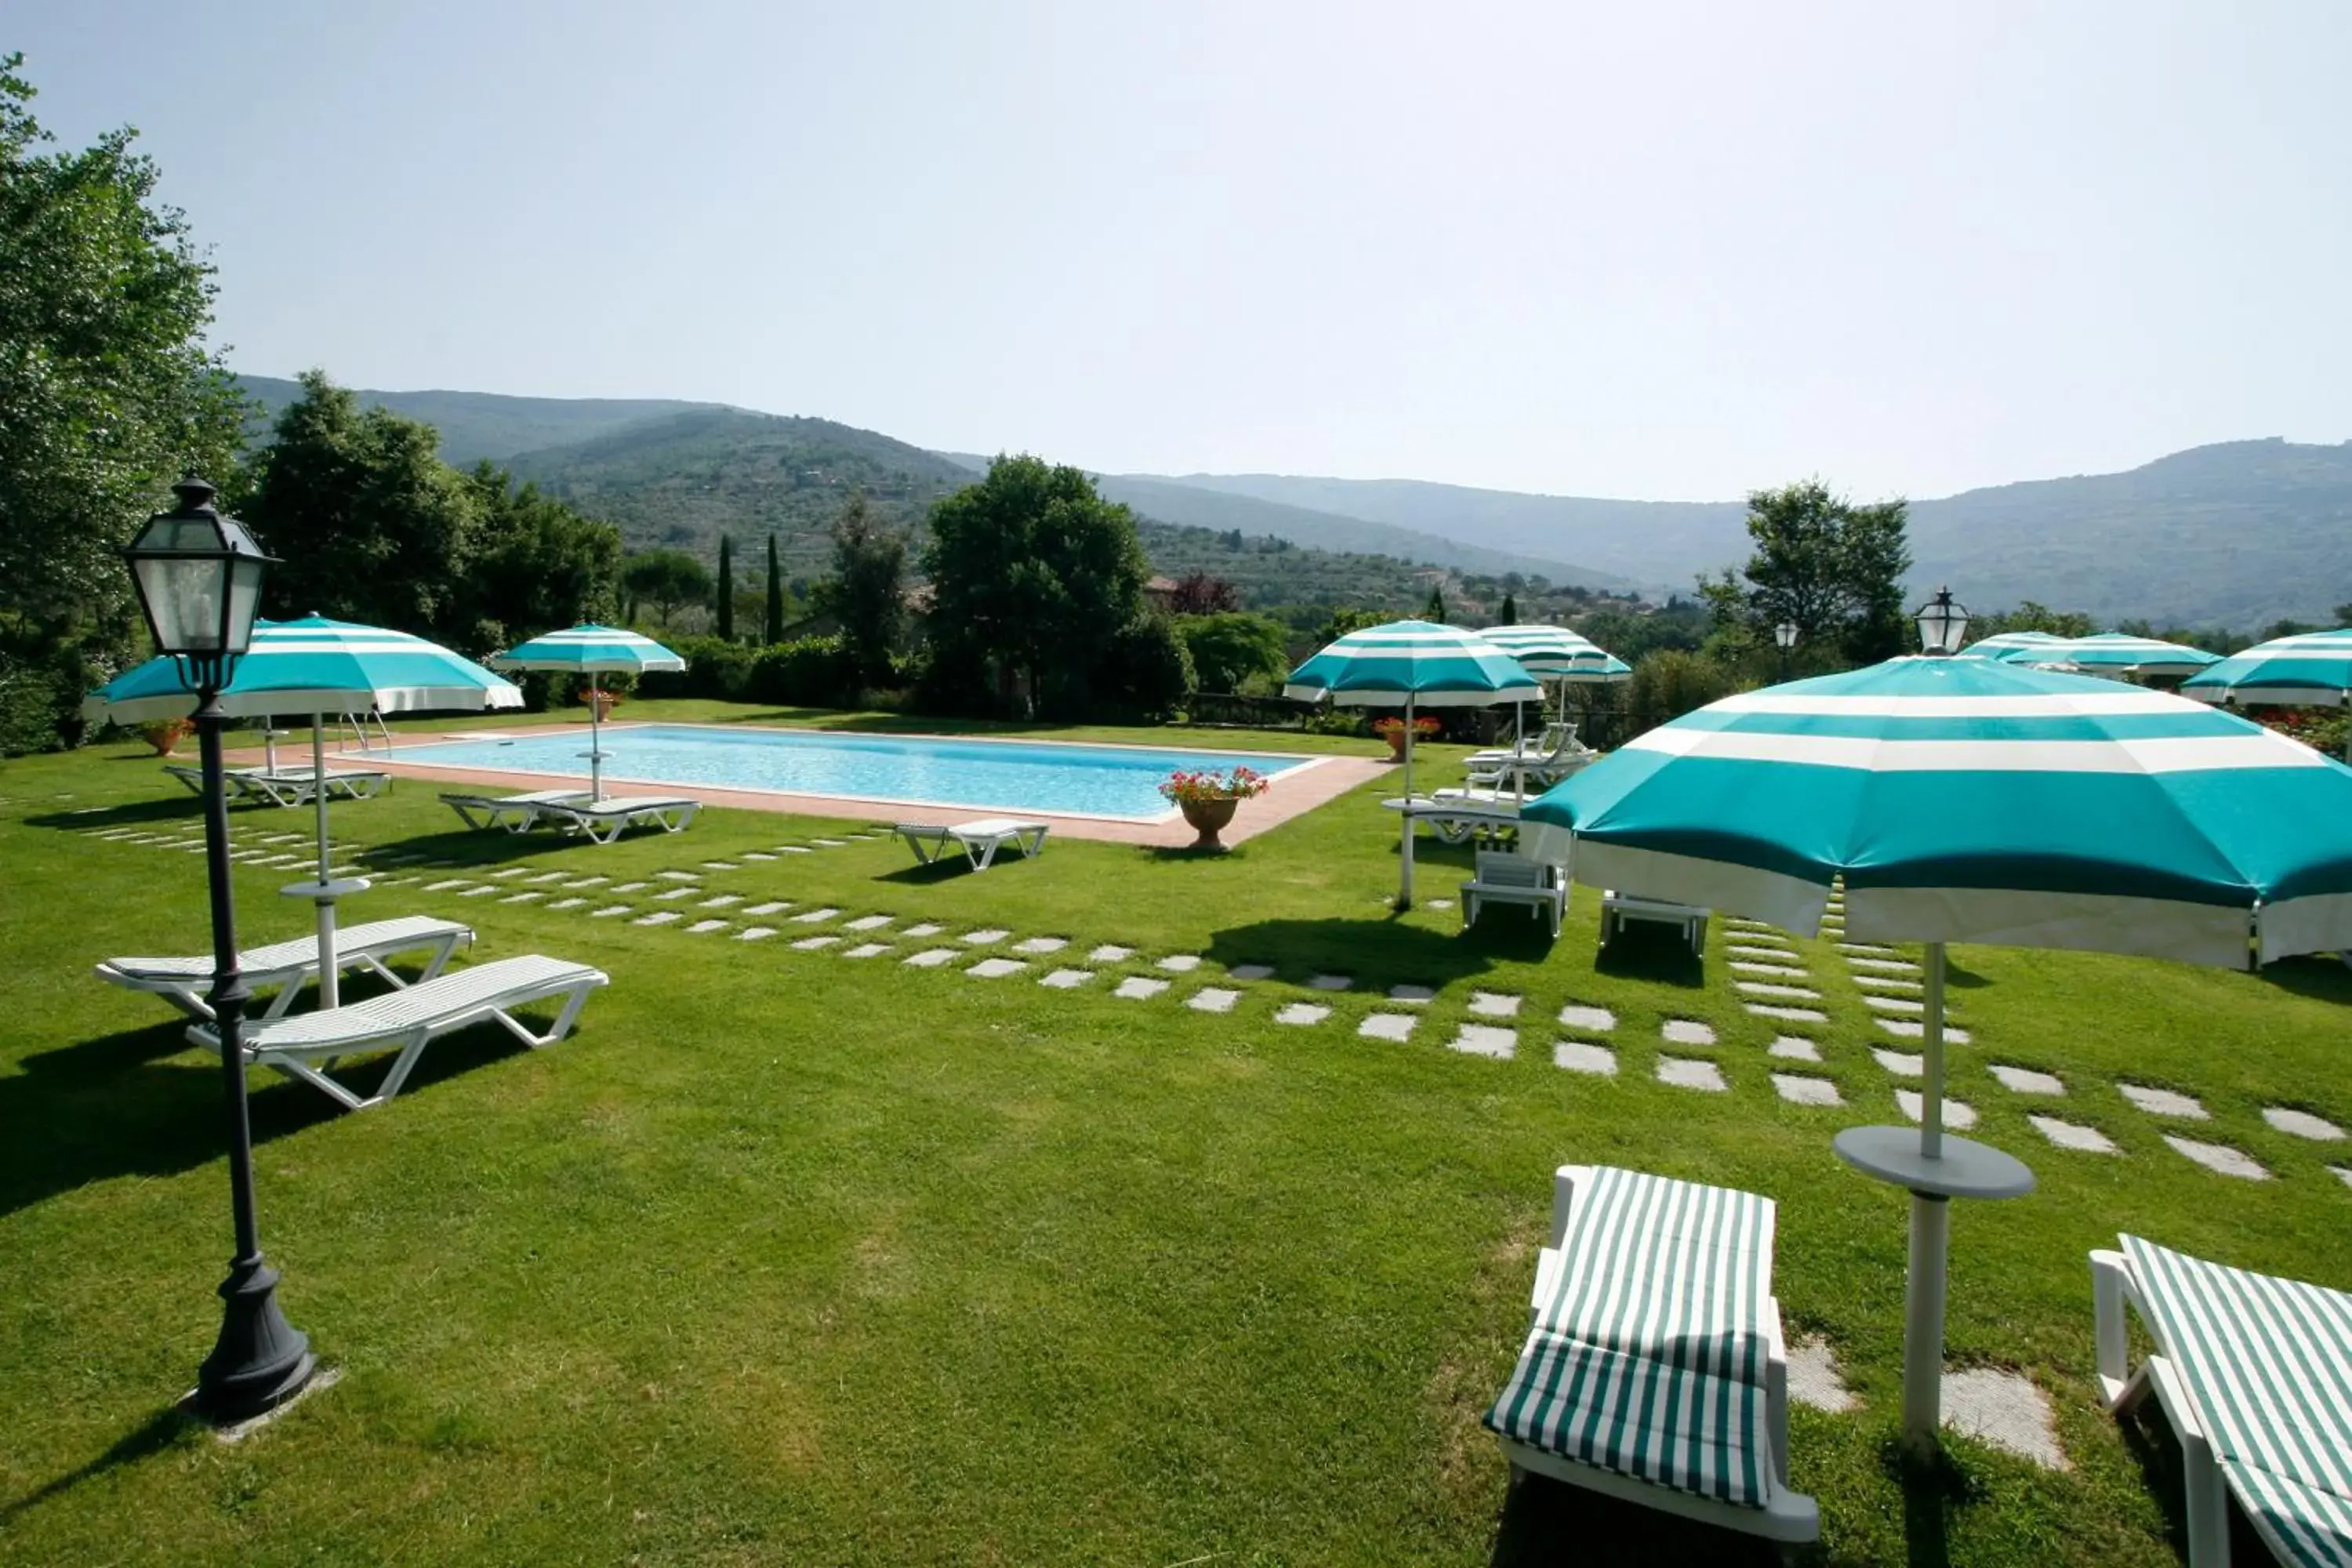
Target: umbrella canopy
2311 669
1410 663
2002 643
1557 653
313 665
2110 653
590 650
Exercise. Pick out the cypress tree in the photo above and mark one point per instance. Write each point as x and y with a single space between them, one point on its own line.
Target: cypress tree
773 632
1436 608
1511 615
726 587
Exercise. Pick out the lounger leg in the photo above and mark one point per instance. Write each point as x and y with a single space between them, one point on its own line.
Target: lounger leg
563 1020
2108 1273
402 1066
2201 1489
303 1070
441 954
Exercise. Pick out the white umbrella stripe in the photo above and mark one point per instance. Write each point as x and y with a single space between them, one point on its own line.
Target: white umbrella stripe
2155 755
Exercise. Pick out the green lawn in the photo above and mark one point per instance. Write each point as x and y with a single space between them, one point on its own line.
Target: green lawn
787 1256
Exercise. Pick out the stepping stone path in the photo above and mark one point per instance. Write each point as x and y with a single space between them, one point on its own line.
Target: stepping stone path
567 903
2025 1080
720 866
1901 1063
1905 1028
445 887
1766 988
1252 972
1814 1377
1300 1013
1882 982
1893 1005
484 891
1410 996
658 918
1795 1048
831 843
771 907
932 958
609 911
723 901
1759 954
2343 1174
815 943
2217 1157
1036 943
1111 954
675 893
551 876
1583 1055
866 950
1331 982
1485 1040
757 855
1778 970
1180 962
815 916
1137 987
630 887
1787 1015
2302 1125
680 875
1494 1004
1883 965
699 927
2071 1135
1213 999
1800 1089
996 968
1067 979
1595 1020
510 871
526 896
755 933
924 928
2163 1102
1688 1072
983 937
1686 1031
2005 1409
1958 1115
1388 1026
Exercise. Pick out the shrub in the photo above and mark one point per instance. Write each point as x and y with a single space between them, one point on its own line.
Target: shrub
714 667
1667 685
807 672
1146 672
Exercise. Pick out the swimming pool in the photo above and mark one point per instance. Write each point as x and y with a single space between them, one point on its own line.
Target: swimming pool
1052 777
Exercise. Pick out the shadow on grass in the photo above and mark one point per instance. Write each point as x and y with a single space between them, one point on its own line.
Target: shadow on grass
1379 952
181 811
1646 951
2154 1446
1545 1521
2322 979
150 1438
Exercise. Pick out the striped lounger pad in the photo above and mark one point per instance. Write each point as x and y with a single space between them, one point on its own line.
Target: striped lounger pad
1649 1359
2269 1363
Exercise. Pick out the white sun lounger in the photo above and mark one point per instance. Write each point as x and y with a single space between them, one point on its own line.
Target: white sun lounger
515 812
288 964
285 786
409 1020
979 840
1455 819
1658 1292
1619 910
606 820
1505 877
2255 1373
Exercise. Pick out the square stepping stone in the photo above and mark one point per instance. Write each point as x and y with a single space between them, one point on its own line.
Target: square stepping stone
1889 984
815 943
1041 944
996 968
2163 1102
792 849
1787 1015
720 866
1300 1013
1795 1048
2342 1173
721 901
757 855
2219 1157
1485 1040
812 917
1768 971
1767 988
630 887
1213 999
551 877
2006 1410
1440 903
566 904
1801 1089
526 896
679 876
2070 1135
1911 1029
1067 979
1410 996
1331 982
1594 1020
1883 965
608 911
755 933
1252 972
1958 1115
866 950
673 894
484 891
868 922
658 918
922 928
1583 1055
1180 962
984 937
831 843
771 907
445 885
1893 1005
1494 1004
1388 1026
699 927
1900 1064
1688 1072
2025 1080
1138 987
510 871
1686 1031
1111 952
932 957
2302 1125
1814 1379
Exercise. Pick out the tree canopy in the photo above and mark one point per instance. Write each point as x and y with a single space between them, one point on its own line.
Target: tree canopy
868 590
1831 566
669 580
726 601
1228 649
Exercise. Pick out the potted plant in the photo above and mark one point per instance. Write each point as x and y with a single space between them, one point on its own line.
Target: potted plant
164 734
1393 730
1208 799
600 700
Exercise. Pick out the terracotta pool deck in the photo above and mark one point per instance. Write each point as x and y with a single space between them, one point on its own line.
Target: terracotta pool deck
1323 778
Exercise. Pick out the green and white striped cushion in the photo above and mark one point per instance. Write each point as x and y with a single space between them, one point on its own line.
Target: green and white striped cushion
2269 1363
1650 1358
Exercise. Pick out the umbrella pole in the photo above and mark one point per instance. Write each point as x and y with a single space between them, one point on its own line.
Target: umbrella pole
330 975
1518 752
1931 1235
1405 890
595 742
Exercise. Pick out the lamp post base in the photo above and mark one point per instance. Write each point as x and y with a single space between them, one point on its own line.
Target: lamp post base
261 1360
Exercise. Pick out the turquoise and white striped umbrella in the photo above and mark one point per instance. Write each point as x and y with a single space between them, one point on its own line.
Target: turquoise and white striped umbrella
1969 800
1557 653
590 650
2111 653
2310 669
2002 644
1413 663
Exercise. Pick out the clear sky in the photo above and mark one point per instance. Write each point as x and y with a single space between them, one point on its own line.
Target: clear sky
1656 251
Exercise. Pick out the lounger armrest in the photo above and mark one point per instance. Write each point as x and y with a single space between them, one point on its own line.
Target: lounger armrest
1776 1389
2112 1290
1563 1199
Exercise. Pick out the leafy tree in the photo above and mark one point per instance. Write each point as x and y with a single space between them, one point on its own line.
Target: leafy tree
772 630
1198 593
1669 684
1509 615
537 563
1033 575
1341 621
726 588
370 525
1435 610
108 394
1146 670
1832 567
2344 614
2031 617
1228 649
868 591
669 580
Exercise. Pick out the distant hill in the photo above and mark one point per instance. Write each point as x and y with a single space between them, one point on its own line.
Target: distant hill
478 425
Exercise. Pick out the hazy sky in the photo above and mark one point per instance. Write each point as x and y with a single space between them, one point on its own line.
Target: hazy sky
1633 250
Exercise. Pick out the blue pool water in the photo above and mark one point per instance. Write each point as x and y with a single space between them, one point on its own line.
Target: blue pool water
991 776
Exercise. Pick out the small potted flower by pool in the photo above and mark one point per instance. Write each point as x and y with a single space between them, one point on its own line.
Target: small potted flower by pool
164 734
1393 731
1208 799
603 702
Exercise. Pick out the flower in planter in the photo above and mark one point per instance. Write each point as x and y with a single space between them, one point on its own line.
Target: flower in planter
1187 785
1424 727
164 734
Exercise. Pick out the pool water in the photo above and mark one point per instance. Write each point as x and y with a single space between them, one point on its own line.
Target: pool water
986 775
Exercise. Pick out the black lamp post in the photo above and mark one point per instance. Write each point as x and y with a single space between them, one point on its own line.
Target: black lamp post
1943 624
199 578
1784 637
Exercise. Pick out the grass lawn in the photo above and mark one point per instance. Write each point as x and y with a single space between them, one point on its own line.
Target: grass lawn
787 1256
